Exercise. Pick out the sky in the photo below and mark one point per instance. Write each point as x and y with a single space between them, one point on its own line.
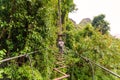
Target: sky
92 8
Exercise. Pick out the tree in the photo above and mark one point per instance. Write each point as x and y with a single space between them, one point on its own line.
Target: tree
26 26
99 23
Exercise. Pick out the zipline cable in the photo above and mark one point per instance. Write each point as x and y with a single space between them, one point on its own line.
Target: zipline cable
87 59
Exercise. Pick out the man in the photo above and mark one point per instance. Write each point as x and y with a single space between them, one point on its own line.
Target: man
61 46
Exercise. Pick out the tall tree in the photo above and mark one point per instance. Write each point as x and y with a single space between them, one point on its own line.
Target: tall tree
99 23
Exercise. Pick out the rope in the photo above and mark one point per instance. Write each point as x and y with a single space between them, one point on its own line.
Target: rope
90 64
1 8
31 65
87 59
92 70
8 59
59 14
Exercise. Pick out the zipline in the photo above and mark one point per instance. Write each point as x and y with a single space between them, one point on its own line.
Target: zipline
59 63
88 60
60 43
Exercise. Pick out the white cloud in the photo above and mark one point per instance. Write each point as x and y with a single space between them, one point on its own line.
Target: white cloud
91 8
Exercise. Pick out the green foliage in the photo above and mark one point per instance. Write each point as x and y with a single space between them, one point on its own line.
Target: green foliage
29 25
2 53
100 24
25 26
99 48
